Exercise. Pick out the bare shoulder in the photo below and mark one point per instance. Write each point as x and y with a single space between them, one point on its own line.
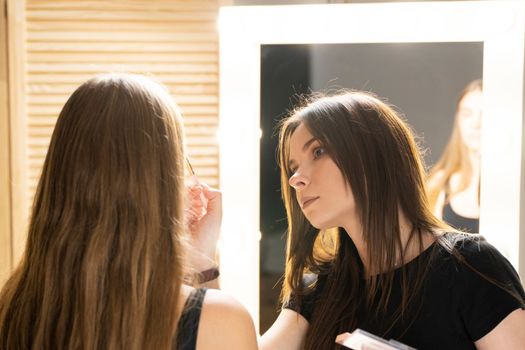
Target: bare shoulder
225 324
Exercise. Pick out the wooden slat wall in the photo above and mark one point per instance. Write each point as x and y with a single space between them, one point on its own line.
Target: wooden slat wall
18 169
174 40
5 186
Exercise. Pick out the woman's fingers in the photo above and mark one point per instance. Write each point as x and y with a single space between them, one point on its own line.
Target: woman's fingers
198 203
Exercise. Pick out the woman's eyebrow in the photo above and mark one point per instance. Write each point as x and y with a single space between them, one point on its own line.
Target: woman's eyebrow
307 144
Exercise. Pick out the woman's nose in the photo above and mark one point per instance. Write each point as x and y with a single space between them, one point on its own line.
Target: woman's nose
298 181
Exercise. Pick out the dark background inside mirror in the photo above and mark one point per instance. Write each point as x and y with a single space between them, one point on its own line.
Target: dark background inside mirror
423 80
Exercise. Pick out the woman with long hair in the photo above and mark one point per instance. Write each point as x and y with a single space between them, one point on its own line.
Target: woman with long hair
453 183
105 261
364 249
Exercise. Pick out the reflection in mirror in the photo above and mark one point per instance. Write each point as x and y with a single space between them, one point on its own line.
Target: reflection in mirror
454 182
421 79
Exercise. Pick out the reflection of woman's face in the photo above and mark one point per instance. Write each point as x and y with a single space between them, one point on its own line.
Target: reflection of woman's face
469 120
322 191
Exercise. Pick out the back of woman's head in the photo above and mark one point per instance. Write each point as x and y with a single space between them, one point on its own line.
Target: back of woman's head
102 266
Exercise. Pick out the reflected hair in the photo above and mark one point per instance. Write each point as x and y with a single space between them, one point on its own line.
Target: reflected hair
102 267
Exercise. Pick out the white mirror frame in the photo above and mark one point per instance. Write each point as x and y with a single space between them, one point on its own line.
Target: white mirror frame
500 25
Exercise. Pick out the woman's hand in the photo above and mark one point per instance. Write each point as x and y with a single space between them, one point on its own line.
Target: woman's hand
203 217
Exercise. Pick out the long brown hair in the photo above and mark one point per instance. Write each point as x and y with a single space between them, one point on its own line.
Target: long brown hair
378 156
454 158
102 268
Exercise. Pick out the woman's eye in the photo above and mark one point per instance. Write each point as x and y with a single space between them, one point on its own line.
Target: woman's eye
319 151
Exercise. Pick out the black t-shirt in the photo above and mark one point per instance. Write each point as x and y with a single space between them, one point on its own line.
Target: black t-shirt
456 307
470 225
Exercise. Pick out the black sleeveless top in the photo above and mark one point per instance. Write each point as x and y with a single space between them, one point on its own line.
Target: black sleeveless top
189 321
470 225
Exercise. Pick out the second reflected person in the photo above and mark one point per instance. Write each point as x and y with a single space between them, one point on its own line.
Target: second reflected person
454 182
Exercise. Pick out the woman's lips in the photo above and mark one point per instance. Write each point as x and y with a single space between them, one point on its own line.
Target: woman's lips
308 201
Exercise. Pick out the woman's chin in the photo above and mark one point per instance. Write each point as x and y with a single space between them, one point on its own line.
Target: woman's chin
319 224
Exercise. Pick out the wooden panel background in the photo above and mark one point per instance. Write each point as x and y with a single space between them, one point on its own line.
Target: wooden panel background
68 42
16 44
5 187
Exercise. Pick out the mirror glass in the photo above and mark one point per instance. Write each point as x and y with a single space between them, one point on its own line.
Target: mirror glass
423 80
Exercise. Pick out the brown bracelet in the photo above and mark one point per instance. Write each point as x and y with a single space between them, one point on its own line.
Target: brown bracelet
208 275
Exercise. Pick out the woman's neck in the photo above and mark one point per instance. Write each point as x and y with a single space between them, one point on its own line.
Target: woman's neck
475 163
411 245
